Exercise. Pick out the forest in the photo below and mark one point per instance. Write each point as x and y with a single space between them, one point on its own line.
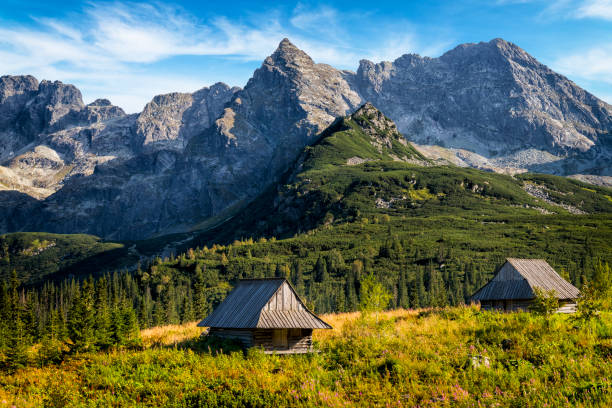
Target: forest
431 235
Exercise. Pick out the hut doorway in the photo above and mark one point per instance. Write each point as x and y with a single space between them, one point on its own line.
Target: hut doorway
279 338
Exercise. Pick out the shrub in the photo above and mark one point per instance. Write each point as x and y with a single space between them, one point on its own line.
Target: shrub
545 302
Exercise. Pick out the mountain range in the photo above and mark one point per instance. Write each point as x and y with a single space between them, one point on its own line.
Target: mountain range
190 161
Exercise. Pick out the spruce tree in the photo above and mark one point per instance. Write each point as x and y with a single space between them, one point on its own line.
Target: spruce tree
320 271
102 316
18 339
187 310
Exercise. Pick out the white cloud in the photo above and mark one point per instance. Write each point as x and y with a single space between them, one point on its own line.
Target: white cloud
601 9
112 48
591 69
593 64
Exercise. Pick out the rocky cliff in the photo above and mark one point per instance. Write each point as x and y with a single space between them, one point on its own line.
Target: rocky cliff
189 160
495 106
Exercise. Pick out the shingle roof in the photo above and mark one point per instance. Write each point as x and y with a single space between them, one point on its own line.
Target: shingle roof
248 307
518 277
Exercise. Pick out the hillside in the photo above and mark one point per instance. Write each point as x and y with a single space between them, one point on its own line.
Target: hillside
361 200
39 256
361 167
189 159
457 357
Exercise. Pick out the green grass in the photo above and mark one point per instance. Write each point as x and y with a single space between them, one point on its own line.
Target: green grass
454 357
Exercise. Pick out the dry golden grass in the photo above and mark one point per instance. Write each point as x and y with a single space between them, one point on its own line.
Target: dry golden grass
174 334
453 357
171 334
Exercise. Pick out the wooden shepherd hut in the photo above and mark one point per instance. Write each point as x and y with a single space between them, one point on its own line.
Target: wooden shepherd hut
265 313
512 288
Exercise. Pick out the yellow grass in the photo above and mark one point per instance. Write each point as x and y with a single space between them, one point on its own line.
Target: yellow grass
174 334
169 335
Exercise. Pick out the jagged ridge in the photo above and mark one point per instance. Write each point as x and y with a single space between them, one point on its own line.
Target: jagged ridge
189 157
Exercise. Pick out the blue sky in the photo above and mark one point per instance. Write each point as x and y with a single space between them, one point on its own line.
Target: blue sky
130 51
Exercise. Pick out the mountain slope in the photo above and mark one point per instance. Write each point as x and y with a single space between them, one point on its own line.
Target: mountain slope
40 257
362 200
495 100
359 201
362 168
190 159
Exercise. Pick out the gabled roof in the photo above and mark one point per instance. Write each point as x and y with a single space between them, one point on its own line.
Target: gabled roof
270 303
518 278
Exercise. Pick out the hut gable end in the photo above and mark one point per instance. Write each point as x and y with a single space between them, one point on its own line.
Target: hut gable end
517 279
285 299
508 273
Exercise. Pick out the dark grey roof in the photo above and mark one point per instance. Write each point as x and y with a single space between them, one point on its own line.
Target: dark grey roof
517 279
247 307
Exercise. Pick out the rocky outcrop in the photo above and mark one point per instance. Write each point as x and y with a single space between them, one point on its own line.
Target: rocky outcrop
191 160
495 100
170 121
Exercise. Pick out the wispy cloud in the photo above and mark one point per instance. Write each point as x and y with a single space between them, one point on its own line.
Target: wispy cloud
595 9
592 64
111 45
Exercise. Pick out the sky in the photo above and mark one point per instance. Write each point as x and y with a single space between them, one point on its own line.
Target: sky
129 52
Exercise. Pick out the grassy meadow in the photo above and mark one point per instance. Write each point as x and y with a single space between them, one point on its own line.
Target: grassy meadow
455 356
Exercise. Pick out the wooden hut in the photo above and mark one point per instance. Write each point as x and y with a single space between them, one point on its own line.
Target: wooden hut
265 313
512 288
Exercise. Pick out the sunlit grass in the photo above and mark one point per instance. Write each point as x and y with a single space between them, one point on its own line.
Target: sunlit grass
453 357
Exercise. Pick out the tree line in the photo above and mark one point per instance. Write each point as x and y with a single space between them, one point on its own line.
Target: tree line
98 313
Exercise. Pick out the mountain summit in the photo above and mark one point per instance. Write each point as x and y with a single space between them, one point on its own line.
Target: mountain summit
189 159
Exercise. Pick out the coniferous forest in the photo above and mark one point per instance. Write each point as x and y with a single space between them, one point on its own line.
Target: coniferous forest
431 235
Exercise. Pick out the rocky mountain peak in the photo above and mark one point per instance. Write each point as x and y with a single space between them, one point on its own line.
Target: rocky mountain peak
288 55
377 126
11 86
100 102
57 93
368 116
497 51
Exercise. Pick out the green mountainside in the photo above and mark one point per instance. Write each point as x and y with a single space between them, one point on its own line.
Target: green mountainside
39 256
363 200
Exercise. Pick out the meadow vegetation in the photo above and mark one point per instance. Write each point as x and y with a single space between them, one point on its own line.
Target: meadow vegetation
381 233
453 356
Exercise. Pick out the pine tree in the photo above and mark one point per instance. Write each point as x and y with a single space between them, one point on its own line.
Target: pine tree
77 323
18 339
187 311
117 325
320 271
350 290
200 303
298 277
131 334
145 312
402 291
170 305
102 317
158 313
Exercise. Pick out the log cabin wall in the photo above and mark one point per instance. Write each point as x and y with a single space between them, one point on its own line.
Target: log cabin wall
245 336
567 306
298 340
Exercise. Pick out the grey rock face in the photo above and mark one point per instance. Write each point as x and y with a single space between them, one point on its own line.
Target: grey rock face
492 99
189 160
170 121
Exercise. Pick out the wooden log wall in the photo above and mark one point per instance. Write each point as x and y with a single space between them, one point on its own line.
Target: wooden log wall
244 336
298 340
